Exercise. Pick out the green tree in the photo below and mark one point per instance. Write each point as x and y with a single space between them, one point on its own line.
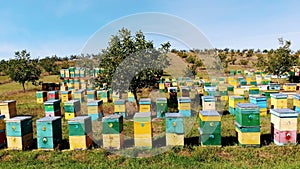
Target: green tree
49 64
22 69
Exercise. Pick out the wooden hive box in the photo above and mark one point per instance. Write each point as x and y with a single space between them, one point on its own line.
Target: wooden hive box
239 91
212 139
284 119
113 141
296 100
103 95
8 108
278 100
254 91
247 114
130 97
174 123
145 105
210 121
285 137
161 86
115 96
82 73
261 102
248 136
208 103
19 133
83 85
184 106
234 100
290 87
274 86
66 96
142 130
185 91
72 109
161 107
79 95
41 96
52 108
91 95
49 132
95 109
53 95
112 131
120 107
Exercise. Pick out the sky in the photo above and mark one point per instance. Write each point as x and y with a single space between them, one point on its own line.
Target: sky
62 28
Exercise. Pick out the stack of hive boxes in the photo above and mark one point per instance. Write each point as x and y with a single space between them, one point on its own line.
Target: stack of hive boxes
161 107
296 102
184 106
79 95
2 131
72 109
95 109
210 128
284 126
208 103
247 123
52 108
278 101
72 72
120 107
91 95
41 96
261 102
8 108
19 133
145 105
142 130
80 132
66 95
233 101
174 129
103 95
49 132
112 131
53 95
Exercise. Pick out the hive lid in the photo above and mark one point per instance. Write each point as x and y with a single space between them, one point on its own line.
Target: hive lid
48 118
209 113
184 99
66 92
284 112
208 98
279 95
145 101
6 101
72 102
236 97
79 119
296 96
111 117
19 118
161 100
52 101
94 102
247 105
142 117
120 101
174 115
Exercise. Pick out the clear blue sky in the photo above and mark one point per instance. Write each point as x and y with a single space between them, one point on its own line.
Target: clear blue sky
53 27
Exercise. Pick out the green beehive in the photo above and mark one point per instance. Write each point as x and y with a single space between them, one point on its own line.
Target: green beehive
72 106
230 88
174 123
52 106
210 121
112 124
91 95
247 114
212 139
19 126
103 95
80 126
161 107
49 132
253 83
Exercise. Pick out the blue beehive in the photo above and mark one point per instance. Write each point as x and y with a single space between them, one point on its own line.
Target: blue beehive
184 106
174 129
260 101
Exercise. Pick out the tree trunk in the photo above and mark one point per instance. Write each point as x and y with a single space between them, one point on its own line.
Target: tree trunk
23 85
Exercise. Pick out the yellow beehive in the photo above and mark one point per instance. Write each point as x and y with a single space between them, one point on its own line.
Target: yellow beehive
248 138
239 91
142 128
66 96
120 108
161 86
290 87
113 141
224 98
184 106
77 86
278 101
20 143
233 83
263 111
8 108
248 80
234 100
284 124
145 105
80 142
173 139
296 102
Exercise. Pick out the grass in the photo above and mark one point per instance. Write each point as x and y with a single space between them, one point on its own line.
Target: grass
230 155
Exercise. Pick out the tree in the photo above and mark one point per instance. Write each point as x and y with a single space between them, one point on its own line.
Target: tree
49 64
22 69
130 62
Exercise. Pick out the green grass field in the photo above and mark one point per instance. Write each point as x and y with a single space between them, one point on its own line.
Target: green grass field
230 155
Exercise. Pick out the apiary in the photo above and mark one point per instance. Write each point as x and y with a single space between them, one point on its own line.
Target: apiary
52 108
79 95
210 128
19 133
120 107
53 95
278 101
208 103
95 109
103 95
112 131
80 132
66 95
72 109
247 114
49 132
284 124
261 102
91 95
174 129
161 107
145 105
184 106
142 130
41 96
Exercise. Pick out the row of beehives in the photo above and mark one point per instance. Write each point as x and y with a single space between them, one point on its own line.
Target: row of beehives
77 72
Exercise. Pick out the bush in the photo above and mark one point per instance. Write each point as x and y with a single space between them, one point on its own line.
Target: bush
190 59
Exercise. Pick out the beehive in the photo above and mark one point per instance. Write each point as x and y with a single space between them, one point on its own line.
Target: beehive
234 100
95 109
253 91
290 87
72 72
142 130
210 128
174 129
261 102
115 96
239 91
72 109
247 114
53 95
184 106
66 96
19 132
62 73
248 136
41 96
185 91
145 105
49 132
278 101
82 73
208 103
91 95
8 108
161 107
103 95
79 95
284 126
161 86
112 131
296 102
83 85
274 86
130 97
80 132
120 107
52 108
